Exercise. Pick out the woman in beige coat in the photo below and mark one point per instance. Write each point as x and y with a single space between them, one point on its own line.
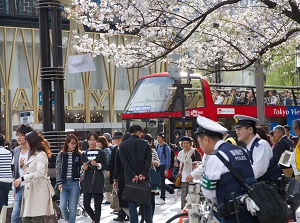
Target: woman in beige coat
38 192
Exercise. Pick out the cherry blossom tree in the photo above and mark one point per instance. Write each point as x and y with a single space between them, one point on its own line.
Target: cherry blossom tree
230 34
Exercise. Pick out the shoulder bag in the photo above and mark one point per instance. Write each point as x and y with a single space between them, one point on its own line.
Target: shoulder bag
177 181
272 205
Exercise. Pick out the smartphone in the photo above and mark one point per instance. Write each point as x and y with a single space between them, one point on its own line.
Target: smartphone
89 163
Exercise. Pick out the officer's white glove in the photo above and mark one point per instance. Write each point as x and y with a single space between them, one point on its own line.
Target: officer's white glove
250 204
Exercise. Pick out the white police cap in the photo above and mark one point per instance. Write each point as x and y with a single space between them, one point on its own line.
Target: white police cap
209 127
242 120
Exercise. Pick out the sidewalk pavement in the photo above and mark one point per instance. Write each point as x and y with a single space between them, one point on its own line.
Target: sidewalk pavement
161 215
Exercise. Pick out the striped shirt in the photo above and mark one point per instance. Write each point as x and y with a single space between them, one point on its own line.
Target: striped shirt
5 165
69 170
92 154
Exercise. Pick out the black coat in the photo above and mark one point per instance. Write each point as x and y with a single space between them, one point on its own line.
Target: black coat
136 156
111 164
93 181
284 144
119 175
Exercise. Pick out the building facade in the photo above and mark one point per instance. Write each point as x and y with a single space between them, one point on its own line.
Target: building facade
94 101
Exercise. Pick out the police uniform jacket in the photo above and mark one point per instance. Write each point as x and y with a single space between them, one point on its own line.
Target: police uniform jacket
262 154
218 182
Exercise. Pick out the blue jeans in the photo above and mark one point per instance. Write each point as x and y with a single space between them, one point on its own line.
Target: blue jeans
15 215
4 190
69 199
134 215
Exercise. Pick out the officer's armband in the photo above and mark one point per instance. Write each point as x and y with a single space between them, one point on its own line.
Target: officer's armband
208 184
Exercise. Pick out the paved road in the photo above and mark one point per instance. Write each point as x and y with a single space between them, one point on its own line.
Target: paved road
162 212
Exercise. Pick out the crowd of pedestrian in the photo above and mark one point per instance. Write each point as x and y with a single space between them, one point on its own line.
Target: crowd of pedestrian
111 162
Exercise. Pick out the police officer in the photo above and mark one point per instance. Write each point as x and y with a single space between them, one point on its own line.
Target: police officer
218 183
260 152
226 137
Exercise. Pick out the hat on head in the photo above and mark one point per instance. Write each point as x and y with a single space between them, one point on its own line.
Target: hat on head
186 138
107 136
242 120
209 127
161 134
118 134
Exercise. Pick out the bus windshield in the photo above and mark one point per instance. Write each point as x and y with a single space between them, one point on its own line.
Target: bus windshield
150 95
157 94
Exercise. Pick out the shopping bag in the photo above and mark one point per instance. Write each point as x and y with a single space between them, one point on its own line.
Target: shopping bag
138 192
114 204
6 214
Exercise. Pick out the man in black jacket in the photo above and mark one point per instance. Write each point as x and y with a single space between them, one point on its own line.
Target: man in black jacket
283 144
135 155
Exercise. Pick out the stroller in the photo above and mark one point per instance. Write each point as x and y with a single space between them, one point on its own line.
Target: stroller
81 210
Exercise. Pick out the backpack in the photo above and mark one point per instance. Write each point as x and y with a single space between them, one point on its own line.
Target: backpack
172 154
268 197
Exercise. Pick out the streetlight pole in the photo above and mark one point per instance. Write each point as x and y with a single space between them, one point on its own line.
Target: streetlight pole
181 88
298 64
260 103
52 71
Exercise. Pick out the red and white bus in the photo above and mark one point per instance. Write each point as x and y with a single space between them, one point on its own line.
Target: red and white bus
156 105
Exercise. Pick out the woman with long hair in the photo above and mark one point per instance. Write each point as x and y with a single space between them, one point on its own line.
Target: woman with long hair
104 145
37 197
154 163
93 183
68 166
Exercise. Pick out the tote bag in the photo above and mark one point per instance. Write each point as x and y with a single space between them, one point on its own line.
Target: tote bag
154 178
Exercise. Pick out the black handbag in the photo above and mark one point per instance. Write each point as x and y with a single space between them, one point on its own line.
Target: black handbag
139 192
154 178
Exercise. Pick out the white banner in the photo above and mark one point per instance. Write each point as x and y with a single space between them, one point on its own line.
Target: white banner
81 63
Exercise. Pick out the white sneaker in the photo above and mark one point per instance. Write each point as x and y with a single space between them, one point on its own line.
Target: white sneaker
160 201
175 194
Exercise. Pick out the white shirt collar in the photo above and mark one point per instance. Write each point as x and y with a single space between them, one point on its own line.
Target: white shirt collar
218 144
250 143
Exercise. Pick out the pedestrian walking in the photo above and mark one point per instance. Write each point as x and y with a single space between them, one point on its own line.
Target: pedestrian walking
94 162
6 177
154 164
21 156
135 154
164 155
68 166
295 158
119 182
38 192
187 158
103 144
